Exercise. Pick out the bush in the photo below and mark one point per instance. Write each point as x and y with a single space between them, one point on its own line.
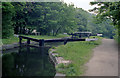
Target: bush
53 47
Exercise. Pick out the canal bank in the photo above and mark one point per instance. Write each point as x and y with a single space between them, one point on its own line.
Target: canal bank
57 61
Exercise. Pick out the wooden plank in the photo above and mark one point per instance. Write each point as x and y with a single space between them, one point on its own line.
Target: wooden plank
55 40
76 39
62 40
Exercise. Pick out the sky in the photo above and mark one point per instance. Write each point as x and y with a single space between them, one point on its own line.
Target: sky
84 4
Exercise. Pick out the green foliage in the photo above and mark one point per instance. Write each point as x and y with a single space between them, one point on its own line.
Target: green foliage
54 52
7 14
57 56
109 10
20 17
81 18
49 18
104 28
53 47
88 22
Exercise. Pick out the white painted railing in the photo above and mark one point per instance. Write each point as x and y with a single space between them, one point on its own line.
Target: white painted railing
91 39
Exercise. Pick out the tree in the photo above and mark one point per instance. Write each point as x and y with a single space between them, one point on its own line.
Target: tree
81 19
109 10
7 23
19 18
58 18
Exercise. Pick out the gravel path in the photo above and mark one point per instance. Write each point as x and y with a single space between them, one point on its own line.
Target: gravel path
104 61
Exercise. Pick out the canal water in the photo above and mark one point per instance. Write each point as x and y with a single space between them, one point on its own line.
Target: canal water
28 61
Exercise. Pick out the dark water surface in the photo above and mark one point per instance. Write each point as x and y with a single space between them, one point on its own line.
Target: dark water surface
27 61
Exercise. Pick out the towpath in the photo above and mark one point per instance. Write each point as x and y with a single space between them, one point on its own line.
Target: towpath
104 61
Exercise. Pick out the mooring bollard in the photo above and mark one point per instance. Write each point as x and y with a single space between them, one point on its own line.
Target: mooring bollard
41 42
28 41
20 40
65 42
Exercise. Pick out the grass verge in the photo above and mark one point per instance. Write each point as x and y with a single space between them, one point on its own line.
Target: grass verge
46 37
10 40
77 52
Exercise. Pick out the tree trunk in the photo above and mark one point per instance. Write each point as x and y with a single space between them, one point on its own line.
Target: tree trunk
16 30
20 30
57 31
23 30
53 33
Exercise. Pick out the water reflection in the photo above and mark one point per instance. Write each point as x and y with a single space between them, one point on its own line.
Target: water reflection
28 61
